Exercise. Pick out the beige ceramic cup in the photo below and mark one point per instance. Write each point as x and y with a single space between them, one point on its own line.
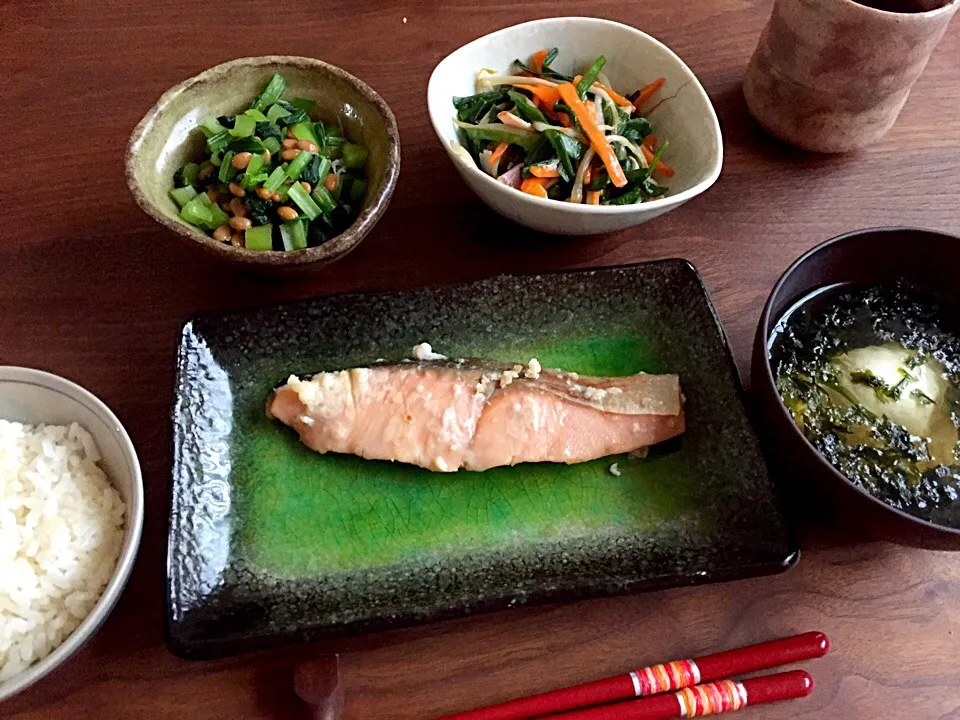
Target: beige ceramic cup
832 75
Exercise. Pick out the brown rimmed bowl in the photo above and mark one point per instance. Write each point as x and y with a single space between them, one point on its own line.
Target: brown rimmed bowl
168 137
926 259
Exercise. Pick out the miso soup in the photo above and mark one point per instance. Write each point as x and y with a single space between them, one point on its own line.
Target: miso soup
871 376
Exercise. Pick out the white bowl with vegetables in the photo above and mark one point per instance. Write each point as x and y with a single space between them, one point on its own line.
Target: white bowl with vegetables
575 125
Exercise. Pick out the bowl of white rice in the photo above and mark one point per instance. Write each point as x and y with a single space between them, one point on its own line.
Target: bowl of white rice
71 513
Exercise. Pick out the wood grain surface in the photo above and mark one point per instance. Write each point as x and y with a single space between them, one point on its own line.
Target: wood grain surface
94 290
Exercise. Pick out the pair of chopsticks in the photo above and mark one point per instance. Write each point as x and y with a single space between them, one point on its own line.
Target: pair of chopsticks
680 689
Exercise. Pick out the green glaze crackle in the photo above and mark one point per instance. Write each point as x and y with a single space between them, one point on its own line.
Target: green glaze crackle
270 541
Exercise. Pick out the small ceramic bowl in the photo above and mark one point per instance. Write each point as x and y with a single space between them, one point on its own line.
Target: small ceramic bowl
925 259
685 116
169 137
32 397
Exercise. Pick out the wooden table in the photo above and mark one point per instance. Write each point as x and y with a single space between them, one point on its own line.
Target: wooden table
93 289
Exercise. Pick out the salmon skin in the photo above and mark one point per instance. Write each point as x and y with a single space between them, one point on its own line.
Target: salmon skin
475 414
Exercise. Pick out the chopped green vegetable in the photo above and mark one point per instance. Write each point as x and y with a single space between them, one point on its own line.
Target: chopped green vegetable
272 144
197 212
568 152
332 150
187 175
217 216
203 212
526 109
590 76
258 116
211 126
358 189
304 131
628 198
304 201
259 237
265 130
635 129
316 170
271 93
252 172
276 112
642 175
252 181
354 156
276 178
182 195
297 165
247 144
320 131
244 126
294 234
599 181
218 143
333 143
227 170
294 115
255 165
216 158
324 200
473 108
258 209
547 72
304 104
526 139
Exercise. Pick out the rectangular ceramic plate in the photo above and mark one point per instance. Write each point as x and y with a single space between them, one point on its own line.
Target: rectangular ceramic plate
270 542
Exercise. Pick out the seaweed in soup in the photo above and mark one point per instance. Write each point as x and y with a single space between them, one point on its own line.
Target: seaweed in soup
871 375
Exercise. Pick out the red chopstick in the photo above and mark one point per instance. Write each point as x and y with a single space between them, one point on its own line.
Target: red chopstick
709 699
658 678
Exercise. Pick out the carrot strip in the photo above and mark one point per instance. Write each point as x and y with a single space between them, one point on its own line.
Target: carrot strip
650 141
538 57
593 197
568 93
587 175
661 166
544 172
545 93
647 92
534 186
498 153
614 95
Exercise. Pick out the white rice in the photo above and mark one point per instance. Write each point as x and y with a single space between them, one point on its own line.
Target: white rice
61 530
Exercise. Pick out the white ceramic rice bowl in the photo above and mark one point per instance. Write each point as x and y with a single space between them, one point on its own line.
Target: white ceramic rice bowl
32 397
685 116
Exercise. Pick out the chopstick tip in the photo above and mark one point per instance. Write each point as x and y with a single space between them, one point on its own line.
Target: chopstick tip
823 643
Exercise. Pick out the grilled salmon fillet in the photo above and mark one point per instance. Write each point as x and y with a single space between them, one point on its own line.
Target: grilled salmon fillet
476 414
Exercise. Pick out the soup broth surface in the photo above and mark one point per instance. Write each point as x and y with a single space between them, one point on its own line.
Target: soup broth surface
871 375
